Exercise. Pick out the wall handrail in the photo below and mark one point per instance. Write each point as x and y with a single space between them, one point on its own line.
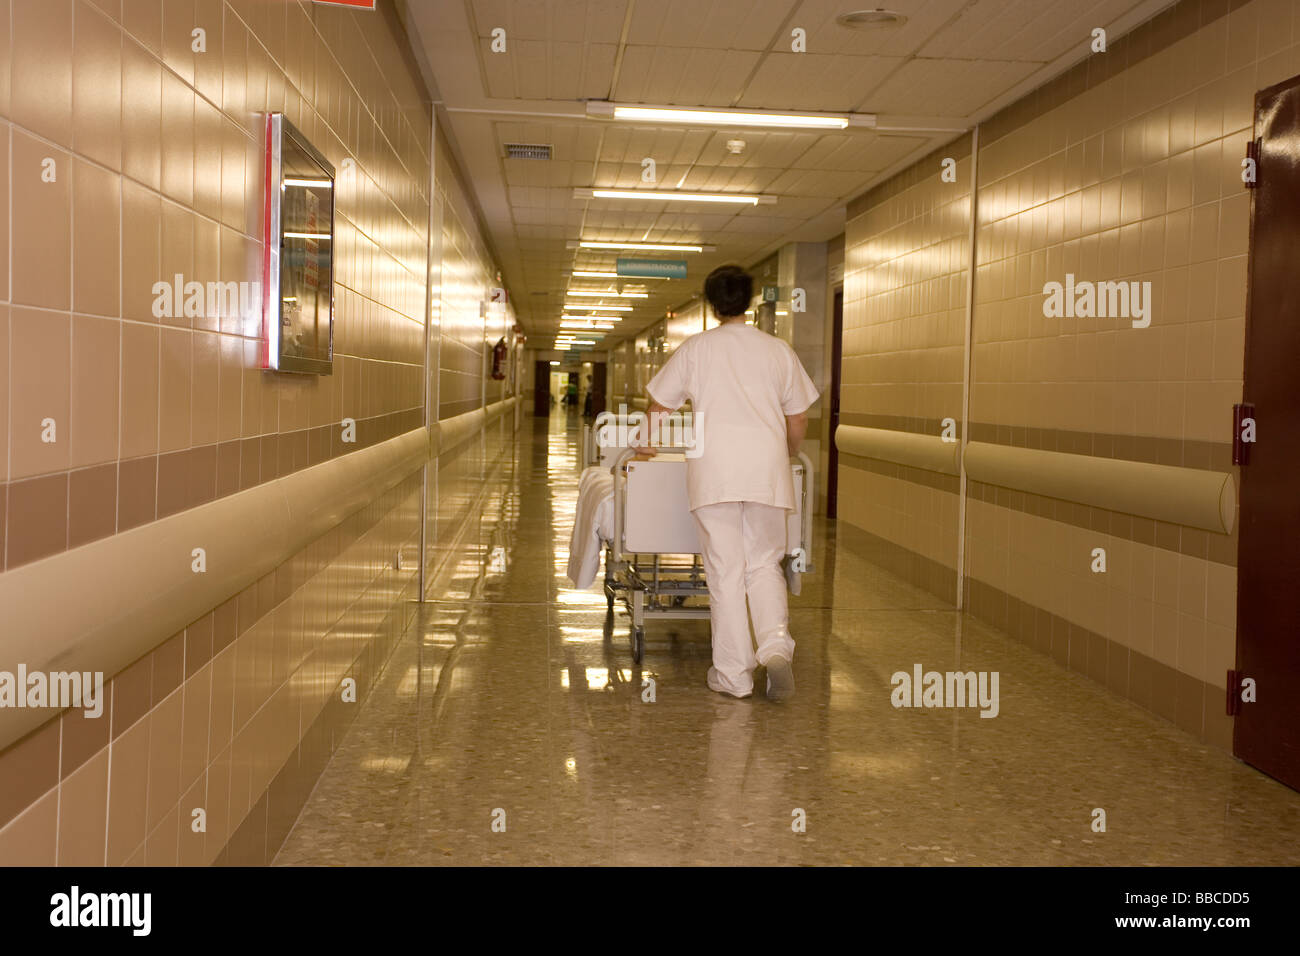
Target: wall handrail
136 589
1185 496
929 452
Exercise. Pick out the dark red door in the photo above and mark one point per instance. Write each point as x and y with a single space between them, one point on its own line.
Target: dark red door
837 351
542 388
597 387
1267 732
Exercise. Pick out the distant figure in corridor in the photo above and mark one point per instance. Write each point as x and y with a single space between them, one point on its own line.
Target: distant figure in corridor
750 396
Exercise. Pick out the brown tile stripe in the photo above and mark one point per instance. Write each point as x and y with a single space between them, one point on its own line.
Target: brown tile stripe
1157 34
52 513
1195 706
926 573
917 476
263 831
1193 542
134 691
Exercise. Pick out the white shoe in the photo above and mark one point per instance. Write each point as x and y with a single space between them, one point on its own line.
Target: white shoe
780 680
715 684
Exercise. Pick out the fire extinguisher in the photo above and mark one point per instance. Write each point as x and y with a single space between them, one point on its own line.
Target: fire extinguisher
499 359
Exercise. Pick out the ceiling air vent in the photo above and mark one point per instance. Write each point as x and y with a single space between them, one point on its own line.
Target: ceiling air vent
870 19
527 151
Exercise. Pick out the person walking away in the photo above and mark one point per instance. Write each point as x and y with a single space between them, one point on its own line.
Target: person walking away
750 396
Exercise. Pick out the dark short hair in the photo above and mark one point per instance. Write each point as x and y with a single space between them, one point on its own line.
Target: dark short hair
729 289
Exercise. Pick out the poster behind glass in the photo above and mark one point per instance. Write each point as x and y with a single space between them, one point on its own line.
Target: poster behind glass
300 318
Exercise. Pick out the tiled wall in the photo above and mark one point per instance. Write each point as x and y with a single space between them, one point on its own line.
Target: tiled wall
467 335
157 157
1125 168
906 268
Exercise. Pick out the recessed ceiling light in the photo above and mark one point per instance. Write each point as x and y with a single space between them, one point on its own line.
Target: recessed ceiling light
870 19
648 246
669 195
764 119
613 295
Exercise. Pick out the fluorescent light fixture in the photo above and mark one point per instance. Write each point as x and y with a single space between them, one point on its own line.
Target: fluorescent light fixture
306 235
586 327
570 317
612 275
672 195
770 119
647 246
554 363
592 305
614 295
324 183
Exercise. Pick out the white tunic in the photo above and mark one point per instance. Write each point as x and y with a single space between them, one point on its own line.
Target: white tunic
742 383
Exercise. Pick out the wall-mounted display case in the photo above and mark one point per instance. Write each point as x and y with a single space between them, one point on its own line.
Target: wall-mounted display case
298 257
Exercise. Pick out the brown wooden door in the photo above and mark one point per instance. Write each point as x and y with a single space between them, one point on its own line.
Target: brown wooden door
837 353
597 387
1267 732
542 388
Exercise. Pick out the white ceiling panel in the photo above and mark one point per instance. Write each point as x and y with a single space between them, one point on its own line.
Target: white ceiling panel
924 17
947 87
592 21
683 76
946 64
1031 30
730 24
816 81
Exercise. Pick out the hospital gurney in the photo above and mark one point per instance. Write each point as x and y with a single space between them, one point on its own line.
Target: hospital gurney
653 564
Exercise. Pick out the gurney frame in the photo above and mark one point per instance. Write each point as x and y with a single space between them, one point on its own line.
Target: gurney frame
653 586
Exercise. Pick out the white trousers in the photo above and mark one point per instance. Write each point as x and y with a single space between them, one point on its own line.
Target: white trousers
742 544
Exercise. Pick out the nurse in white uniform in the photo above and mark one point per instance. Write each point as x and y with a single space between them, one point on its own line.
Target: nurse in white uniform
749 395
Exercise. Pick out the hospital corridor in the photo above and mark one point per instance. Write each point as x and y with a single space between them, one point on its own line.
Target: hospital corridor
453 448
516 690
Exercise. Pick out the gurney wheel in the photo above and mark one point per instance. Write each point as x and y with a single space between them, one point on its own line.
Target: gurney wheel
638 644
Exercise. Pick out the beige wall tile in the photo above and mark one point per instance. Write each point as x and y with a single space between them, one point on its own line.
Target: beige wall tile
42 218
140 363
40 389
83 814
97 86
95 389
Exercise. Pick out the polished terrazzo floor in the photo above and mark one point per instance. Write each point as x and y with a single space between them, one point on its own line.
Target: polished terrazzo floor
509 727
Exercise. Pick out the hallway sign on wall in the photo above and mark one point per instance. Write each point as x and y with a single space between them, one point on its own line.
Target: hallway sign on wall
652 268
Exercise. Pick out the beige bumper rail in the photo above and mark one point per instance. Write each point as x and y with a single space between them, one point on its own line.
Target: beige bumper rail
103 605
929 452
1186 496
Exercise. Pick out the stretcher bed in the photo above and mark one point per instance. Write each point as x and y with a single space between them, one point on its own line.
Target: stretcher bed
652 552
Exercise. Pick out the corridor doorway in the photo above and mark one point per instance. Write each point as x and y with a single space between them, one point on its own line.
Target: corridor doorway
1267 731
